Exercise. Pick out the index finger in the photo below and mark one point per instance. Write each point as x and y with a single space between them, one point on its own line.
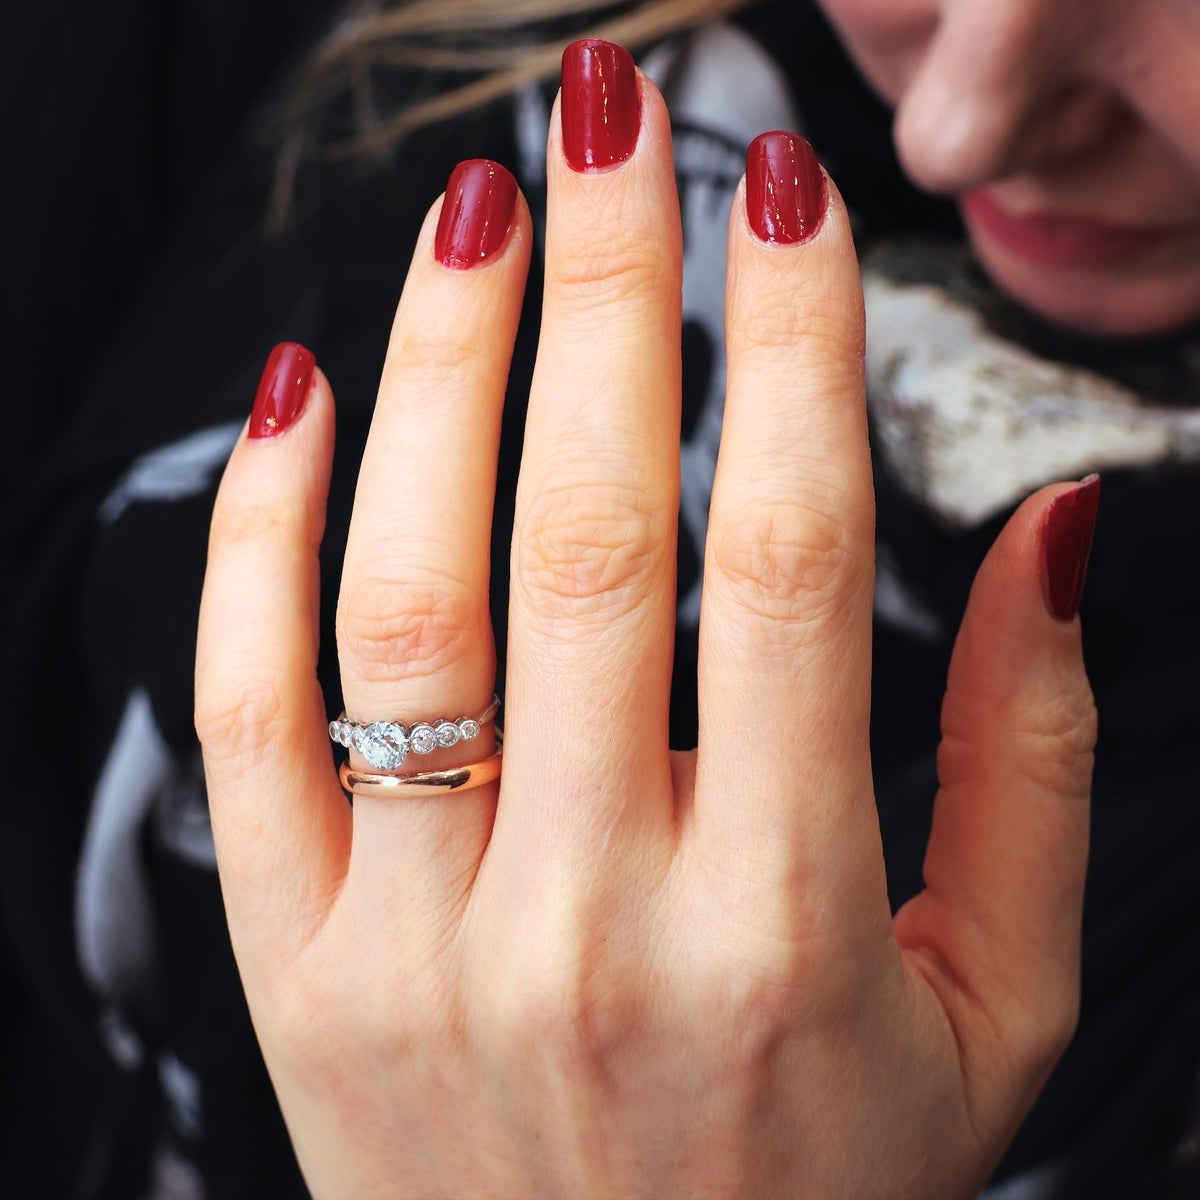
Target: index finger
783 774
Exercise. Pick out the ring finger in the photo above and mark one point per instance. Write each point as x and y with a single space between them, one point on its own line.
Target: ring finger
414 635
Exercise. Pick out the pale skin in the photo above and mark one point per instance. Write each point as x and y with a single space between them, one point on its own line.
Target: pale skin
1086 107
623 970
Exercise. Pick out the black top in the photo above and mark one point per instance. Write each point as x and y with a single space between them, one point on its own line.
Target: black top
143 297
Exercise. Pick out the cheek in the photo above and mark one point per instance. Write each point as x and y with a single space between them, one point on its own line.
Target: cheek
1170 114
1167 186
886 38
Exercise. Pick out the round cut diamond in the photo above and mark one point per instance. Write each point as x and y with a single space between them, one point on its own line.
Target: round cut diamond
423 738
333 730
384 745
447 733
356 738
468 728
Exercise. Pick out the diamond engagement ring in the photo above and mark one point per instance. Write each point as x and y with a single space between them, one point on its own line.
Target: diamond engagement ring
386 744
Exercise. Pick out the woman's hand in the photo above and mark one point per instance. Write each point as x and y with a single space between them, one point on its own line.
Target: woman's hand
620 970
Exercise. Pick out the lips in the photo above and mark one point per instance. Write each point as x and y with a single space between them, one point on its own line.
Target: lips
1056 239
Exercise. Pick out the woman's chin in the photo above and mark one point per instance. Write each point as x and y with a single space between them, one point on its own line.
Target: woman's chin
1103 302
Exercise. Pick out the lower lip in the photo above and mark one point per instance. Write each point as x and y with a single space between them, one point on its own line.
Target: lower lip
1054 240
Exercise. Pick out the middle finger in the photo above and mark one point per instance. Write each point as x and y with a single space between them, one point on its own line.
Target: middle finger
593 574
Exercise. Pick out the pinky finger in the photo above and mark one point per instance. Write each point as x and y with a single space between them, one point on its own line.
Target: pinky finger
280 821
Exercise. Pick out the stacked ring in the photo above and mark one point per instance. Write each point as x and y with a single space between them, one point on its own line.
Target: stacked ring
386 744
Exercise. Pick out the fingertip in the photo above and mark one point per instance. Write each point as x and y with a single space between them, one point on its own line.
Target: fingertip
321 382
279 475
786 200
1066 533
321 399
602 110
1016 652
797 304
479 223
786 194
283 390
1030 513
777 245
655 128
1049 537
476 215
612 230
579 149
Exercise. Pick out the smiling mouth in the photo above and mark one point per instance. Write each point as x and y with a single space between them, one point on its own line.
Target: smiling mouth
1058 239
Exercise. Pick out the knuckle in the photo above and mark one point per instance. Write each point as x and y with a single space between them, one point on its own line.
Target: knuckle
781 325
614 264
558 1013
392 631
590 551
1054 749
238 720
235 524
432 361
757 993
1046 743
765 984
785 562
1076 720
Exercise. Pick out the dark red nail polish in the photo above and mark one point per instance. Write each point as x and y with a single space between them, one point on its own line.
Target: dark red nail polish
282 390
1067 530
601 104
785 188
476 214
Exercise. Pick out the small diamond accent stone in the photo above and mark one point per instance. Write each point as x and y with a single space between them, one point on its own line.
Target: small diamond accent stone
424 739
384 745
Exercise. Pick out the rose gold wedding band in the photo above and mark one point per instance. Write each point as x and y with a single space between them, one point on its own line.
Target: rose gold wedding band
420 783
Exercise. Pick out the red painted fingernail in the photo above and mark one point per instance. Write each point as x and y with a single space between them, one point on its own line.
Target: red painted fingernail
476 214
1067 530
601 104
785 188
282 390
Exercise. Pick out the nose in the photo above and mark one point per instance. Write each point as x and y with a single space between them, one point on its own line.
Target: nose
998 91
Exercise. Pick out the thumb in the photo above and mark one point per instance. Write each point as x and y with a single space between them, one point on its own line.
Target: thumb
1000 917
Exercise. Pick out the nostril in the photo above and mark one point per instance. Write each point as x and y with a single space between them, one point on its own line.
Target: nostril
1085 117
